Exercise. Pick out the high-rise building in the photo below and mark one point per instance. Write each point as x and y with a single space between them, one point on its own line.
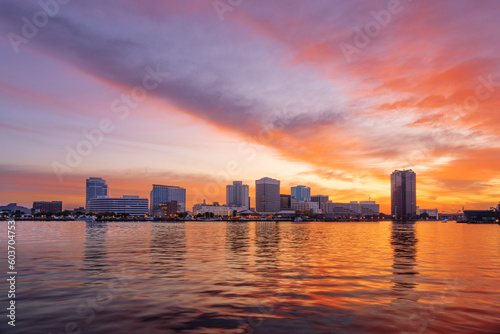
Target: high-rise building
320 199
403 194
237 194
164 194
132 205
54 206
301 194
96 186
267 195
286 201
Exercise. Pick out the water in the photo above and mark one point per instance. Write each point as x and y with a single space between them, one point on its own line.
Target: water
254 277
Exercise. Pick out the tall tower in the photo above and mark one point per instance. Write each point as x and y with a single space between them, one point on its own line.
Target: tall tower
95 186
404 194
237 194
267 195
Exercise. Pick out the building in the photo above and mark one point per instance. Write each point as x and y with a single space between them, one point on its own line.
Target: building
301 194
164 194
13 208
168 210
54 206
433 213
351 210
95 186
492 215
131 205
217 210
237 194
267 195
403 194
320 199
306 206
369 208
285 201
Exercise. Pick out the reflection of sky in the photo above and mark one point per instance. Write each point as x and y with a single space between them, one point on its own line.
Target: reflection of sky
341 128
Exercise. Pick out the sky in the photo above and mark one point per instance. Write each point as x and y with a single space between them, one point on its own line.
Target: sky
334 95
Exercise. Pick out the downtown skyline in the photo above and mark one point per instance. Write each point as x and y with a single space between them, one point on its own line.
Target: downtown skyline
304 96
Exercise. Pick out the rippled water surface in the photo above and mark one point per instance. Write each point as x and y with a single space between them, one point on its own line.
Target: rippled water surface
254 277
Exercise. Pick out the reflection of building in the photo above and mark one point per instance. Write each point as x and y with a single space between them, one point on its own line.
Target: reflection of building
350 210
54 206
285 201
132 205
164 194
13 207
320 199
216 209
267 195
306 206
237 194
301 194
404 243
403 194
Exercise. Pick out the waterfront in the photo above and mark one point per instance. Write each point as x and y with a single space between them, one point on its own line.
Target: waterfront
260 277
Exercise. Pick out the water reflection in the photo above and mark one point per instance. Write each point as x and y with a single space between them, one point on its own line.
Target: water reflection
267 242
95 246
237 245
404 244
168 248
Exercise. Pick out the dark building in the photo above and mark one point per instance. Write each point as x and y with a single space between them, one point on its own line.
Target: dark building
403 194
267 195
286 201
170 209
54 206
320 199
492 215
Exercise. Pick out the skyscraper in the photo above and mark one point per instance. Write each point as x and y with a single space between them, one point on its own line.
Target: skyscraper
164 194
301 194
237 194
267 195
96 186
404 194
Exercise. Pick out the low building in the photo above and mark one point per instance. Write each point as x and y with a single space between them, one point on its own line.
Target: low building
168 210
13 208
306 206
131 205
433 213
54 207
351 210
217 210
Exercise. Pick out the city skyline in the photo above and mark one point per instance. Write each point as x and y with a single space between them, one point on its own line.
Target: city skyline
311 97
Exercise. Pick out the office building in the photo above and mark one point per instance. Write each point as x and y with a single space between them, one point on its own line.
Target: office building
286 201
267 195
433 213
320 199
403 194
54 207
168 210
237 194
131 205
301 194
164 194
306 206
95 186
351 210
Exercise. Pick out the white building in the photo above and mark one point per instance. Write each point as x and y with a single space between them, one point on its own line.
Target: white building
306 206
350 210
217 210
433 213
132 205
